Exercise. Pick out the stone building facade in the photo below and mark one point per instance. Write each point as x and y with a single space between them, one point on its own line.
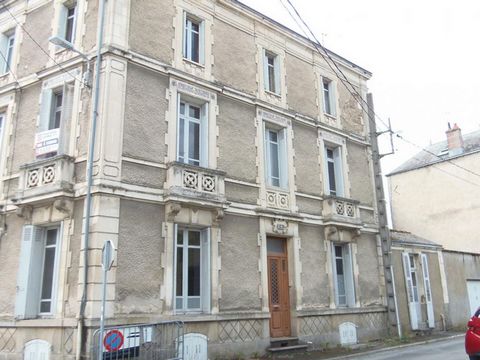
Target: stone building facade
232 170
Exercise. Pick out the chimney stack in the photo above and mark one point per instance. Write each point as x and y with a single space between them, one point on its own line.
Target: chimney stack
454 140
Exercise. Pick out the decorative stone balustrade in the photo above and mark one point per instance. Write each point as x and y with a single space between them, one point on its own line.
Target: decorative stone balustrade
341 211
195 182
46 176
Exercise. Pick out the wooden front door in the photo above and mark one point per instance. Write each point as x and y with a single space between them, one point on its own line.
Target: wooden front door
278 287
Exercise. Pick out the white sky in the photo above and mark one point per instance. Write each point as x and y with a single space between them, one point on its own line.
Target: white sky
424 56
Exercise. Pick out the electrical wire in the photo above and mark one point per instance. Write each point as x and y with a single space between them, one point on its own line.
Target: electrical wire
41 48
356 95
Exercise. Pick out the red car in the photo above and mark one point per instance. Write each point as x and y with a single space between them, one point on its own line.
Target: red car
472 337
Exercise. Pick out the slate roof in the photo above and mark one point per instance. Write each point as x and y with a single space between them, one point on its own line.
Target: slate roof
471 142
407 238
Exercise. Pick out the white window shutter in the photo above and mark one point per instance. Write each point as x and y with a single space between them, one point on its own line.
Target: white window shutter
206 282
204 136
337 159
326 179
62 21
65 122
409 286
184 35
266 155
174 284
428 292
265 69
334 267
283 158
29 273
278 74
348 271
45 110
201 49
3 50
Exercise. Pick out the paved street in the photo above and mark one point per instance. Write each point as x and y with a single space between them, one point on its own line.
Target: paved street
446 350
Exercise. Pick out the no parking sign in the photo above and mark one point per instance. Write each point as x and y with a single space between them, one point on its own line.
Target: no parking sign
113 340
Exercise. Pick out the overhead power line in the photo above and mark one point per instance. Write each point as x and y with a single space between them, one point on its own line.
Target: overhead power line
332 64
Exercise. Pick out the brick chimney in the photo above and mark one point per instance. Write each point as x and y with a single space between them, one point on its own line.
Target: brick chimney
454 140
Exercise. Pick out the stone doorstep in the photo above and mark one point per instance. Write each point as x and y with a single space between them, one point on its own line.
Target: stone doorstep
286 344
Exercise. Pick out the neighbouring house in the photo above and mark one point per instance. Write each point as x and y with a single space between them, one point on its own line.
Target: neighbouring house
436 289
436 193
231 169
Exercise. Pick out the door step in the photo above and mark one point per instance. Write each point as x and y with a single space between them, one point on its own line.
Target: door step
285 344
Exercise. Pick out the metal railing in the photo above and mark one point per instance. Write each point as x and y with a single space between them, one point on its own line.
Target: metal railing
157 341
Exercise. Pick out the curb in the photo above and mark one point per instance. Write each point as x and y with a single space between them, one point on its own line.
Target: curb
370 352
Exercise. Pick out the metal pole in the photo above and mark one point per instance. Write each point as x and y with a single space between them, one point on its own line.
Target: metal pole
88 198
102 314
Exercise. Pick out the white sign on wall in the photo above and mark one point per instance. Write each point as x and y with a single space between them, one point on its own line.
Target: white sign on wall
348 333
47 142
195 347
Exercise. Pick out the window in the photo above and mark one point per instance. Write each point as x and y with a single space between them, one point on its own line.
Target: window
275 157
413 274
2 126
56 115
7 42
193 39
67 21
38 270
334 181
192 274
192 134
328 97
343 275
271 72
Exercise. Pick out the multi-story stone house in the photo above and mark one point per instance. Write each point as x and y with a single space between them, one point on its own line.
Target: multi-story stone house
232 170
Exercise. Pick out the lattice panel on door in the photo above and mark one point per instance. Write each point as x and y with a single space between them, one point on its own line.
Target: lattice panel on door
275 284
7 339
316 325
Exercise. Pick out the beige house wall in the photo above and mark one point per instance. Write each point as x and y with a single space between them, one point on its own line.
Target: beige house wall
439 206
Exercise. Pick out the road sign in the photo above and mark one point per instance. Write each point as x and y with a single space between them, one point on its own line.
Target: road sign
113 340
108 255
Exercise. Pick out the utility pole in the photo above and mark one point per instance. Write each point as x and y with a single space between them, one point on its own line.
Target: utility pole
394 324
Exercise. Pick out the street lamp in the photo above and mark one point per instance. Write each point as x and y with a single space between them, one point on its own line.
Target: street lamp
69 46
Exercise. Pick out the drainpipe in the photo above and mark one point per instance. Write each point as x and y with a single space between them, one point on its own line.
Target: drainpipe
81 338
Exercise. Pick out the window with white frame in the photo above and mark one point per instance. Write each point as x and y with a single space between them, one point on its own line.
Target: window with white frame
7 42
271 72
2 127
192 270
192 133
329 103
67 21
193 39
38 271
334 171
343 275
55 112
276 163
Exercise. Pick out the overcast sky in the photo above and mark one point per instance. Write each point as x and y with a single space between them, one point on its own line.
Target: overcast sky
424 56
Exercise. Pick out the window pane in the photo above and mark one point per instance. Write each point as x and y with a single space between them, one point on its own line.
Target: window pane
179 237
272 136
271 79
181 144
194 303
195 27
194 272
338 251
331 178
47 282
179 291
274 169
69 31
52 237
194 112
194 238
45 306
179 303
194 143
182 108
329 154
339 265
195 46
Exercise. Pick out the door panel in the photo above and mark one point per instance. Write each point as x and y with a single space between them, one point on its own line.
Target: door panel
279 297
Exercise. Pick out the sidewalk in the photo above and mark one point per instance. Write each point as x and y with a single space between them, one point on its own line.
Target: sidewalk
337 353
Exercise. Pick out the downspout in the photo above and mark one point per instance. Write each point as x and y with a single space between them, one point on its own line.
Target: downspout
81 338
399 325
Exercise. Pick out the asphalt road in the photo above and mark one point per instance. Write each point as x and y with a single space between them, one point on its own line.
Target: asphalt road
452 349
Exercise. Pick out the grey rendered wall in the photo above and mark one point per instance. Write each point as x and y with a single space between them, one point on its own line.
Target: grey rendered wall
307 168
143 175
351 114
360 177
369 272
241 193
459 267
239 276
25 128
38 23
140 245
145 106
234 52
151 28
236 139
301 93
313 257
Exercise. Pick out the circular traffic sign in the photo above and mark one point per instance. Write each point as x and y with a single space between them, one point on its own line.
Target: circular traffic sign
113 340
